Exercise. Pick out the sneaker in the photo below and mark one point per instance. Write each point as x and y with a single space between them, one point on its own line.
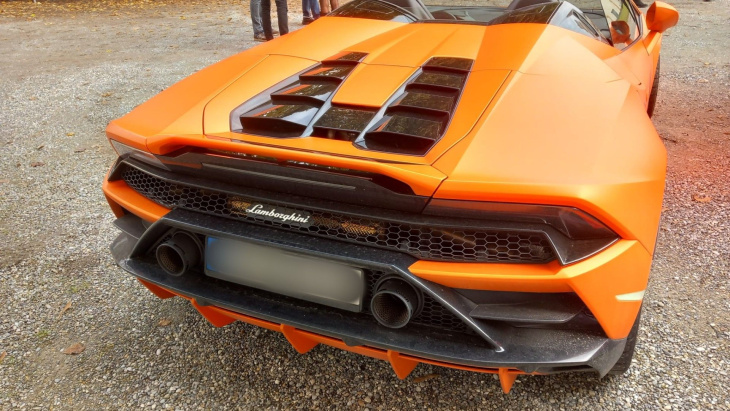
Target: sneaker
306 20
259 37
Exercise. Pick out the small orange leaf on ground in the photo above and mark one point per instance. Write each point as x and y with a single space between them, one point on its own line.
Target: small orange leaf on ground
74 349
2 356
70 134
65 308
37 164
164 322
426 377
701 198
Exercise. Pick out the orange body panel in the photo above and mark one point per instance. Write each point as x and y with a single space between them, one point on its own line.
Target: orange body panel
528 128
371 85
625 263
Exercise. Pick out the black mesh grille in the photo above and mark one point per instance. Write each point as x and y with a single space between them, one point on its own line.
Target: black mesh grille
420 241
432 315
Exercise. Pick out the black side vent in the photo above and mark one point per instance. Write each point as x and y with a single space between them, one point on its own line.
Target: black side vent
418 118
293 106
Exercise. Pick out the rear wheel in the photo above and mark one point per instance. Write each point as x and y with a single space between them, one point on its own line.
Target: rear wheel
654 91
624 362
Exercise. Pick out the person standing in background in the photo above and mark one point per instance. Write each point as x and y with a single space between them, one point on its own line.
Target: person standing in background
281 14
310 11
258 30
328 5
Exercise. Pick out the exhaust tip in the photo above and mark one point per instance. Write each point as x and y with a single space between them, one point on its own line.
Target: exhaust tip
395 302
178 254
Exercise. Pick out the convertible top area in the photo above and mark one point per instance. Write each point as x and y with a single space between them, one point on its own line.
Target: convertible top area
590 17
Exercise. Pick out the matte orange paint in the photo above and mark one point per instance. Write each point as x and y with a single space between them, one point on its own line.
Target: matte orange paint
528 129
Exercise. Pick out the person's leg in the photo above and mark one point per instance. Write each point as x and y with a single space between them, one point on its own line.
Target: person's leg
324 7
283 16
266 19
334 4
315 8
255 8
307 12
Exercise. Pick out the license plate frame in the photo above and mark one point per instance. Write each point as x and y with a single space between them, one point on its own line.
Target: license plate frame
287 273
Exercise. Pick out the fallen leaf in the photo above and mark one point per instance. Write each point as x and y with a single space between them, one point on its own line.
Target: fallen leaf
74 349
40 147
65 308
2 356
107 94
164 322
701 198
426 377
71 134
37 164
79 150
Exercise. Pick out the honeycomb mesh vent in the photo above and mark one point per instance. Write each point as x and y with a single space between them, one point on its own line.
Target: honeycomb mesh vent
421 241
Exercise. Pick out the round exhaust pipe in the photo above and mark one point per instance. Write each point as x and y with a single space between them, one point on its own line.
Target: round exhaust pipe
179 253
395 302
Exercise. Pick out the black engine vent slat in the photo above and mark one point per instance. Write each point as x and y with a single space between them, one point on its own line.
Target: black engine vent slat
405 134
328 72
426 103
278 120
342 123
315 94
455 64
424 128
440 81
347 57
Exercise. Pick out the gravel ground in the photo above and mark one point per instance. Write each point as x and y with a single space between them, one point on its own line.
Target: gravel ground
69 69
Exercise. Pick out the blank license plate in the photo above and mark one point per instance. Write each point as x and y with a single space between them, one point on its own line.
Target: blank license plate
281 272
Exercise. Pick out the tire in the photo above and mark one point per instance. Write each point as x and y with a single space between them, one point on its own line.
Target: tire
624 362
654 91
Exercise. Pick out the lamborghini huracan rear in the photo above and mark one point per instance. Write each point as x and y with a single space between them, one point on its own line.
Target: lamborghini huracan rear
476 187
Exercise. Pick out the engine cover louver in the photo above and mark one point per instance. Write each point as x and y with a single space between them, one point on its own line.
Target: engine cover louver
293 105
412 121
417 119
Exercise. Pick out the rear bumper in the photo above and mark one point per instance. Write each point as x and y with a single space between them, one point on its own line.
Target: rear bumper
489 348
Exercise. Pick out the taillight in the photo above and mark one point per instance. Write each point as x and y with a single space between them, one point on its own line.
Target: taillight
125 151
574 234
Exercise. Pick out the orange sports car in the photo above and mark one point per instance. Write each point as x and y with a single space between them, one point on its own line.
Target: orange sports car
476 187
